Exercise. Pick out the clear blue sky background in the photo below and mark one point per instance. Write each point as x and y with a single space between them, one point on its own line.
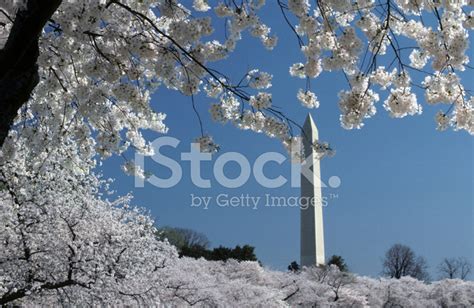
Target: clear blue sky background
402 181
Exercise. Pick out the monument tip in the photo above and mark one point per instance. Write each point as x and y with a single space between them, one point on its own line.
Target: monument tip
309 126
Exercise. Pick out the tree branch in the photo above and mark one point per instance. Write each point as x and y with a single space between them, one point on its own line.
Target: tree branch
18 69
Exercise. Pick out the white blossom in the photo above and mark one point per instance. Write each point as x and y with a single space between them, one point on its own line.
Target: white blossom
381 77
355 107
308 99
297 70
206 144
259 80
262 100
418 58
201 5
131 168
213 88
443 88
442 121
402 102
463 117
222 10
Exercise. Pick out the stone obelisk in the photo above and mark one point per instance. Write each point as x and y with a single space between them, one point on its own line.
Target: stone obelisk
312 231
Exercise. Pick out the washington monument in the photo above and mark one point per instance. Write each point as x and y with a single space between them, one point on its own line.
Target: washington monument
312 231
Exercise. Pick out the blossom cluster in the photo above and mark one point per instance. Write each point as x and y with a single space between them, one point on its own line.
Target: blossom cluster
101 61
329 41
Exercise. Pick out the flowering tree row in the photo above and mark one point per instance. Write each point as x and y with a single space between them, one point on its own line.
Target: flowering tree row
64 242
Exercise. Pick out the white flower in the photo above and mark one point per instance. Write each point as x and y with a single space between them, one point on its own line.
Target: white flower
469 22
269 41
307 99
313 68
130 168
260 30
253 121
217 113
222 10
227 110
213 88
262 100
298 70
259 80
355 107
298 7
418 59
201 5
401 80
443 88
206 144
276 128
442 121
401 102
463 117
381 77
294 147
323 149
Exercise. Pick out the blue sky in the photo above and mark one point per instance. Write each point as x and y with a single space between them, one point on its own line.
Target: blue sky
402 181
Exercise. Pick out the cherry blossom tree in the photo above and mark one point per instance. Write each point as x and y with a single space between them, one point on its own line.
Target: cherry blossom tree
87 69
63 242
410 35
76 80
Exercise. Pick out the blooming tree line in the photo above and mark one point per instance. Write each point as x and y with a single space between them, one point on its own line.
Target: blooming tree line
64 243
76 79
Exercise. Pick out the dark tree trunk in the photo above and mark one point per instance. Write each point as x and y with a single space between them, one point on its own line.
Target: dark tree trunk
18 68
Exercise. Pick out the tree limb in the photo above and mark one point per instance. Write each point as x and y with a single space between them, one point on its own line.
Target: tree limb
18 68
